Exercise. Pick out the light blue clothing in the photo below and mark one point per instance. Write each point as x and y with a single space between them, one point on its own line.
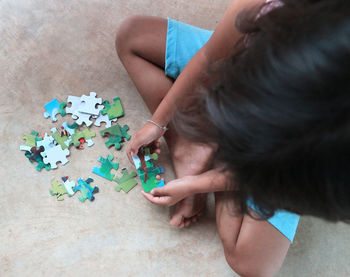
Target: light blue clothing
183 41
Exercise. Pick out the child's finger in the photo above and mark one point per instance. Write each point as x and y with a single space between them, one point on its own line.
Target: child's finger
159 191
162 201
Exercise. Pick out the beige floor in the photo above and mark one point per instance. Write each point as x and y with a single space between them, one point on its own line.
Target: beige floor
55 48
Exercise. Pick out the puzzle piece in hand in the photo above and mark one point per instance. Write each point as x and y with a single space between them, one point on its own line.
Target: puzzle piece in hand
103 118
74 110
86 134
58 190
54 155
39 160
106 166
116 134
113 110
61 140
147 171
31 139
126 182
87 192
89 103
53 108
68 185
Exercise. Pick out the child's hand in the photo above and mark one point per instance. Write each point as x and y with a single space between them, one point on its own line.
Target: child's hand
148 135
172 192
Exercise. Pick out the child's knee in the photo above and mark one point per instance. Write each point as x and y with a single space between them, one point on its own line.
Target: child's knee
126 33
245 267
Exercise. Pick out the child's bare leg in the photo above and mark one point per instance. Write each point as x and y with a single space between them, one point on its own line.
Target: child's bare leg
252 247
140 44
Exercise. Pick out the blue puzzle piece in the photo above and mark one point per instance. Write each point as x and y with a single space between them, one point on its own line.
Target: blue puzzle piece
87 192
53 108
161 184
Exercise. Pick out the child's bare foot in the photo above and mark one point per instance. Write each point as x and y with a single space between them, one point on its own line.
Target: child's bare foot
188 210
189 159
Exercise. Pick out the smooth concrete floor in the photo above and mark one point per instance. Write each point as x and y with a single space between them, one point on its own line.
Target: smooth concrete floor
55 48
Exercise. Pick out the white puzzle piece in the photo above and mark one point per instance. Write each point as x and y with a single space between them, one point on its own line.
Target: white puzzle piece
89 103
54 155
69 185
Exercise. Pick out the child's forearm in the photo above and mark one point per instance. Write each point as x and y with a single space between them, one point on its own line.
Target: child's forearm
219 46
184 84
211 181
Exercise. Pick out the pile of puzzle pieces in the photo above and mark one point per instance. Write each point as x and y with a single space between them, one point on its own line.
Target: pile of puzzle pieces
48 150
126 182
70 188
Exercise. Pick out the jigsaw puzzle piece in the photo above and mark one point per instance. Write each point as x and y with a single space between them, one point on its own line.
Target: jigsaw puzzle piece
31 139
53 108
106 166
126 182
116 141
58 190
68 185
87 192
149 174
39 160
103 118
61 140
54 155
47 142
74 110
86 134
89 103
116 134
113 110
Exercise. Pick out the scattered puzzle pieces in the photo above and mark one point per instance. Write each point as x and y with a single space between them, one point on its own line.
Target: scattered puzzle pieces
126 182
58 190
87 192
113 110
106 166
116 134
53 108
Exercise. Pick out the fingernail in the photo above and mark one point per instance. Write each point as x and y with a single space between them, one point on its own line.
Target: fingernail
152 191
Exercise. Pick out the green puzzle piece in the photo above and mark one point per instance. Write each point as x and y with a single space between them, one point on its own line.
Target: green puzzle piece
113 110
87 192
106 166
126 182
58 190
86 133
31 139
39 160
116 134
60 140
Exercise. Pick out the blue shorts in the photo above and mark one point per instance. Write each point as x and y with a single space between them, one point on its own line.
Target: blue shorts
183 41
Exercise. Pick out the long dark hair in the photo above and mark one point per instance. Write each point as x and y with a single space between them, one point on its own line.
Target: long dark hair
279 110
